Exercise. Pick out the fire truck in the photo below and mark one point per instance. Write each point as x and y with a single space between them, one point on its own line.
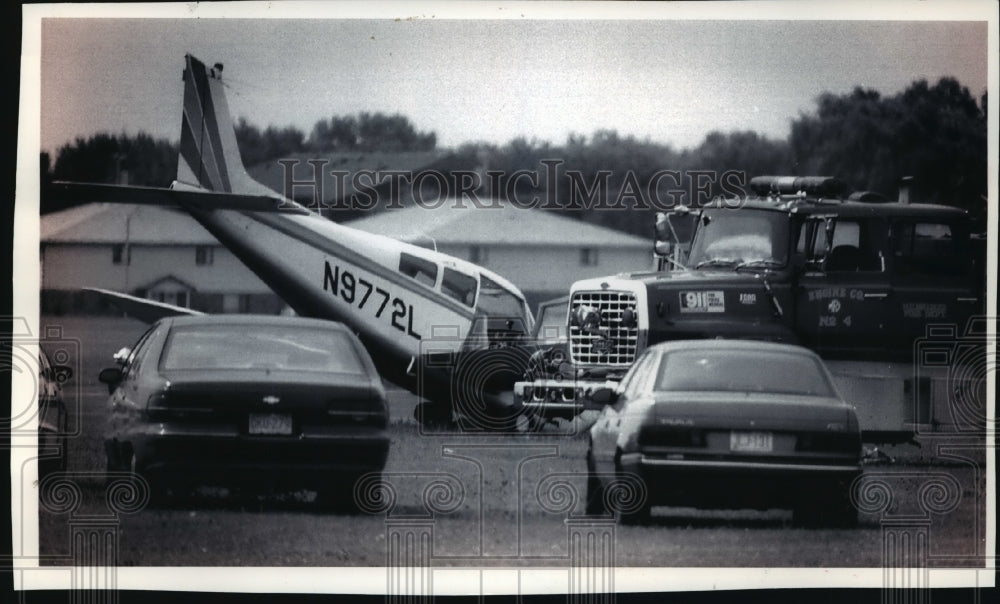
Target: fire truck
889 293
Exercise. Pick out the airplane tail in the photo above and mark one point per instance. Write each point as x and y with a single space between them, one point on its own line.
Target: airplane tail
210 171
209 154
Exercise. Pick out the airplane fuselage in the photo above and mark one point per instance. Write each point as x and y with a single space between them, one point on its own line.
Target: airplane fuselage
325 270
423 315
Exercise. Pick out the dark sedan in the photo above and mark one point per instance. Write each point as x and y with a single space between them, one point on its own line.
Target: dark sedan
725 424
52 415
249 401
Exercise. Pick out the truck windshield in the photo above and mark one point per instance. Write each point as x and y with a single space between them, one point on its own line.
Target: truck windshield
740 237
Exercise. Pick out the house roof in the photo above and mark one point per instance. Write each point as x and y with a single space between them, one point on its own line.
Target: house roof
272 173
105 223
510 226
108 222
167 279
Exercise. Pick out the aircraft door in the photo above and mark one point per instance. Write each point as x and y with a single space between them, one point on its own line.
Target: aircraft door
507 321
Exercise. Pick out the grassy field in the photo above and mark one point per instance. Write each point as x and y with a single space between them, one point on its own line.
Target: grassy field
490 500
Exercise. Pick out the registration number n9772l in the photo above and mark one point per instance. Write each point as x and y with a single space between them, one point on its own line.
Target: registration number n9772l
751 442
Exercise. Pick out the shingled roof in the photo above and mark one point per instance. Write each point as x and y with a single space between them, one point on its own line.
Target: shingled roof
452 224
105 223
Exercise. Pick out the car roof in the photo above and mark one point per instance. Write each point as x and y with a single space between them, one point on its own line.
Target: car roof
724 344
260 320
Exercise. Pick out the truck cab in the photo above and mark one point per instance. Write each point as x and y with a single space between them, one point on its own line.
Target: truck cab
853 277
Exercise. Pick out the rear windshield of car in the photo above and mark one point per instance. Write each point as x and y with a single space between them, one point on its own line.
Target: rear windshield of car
742 371
260 347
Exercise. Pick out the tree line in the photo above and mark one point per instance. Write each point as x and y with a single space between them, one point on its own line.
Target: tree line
147 161
935 133
362 132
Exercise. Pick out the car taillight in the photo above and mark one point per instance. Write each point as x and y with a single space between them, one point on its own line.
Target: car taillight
664 436
159 408
359 412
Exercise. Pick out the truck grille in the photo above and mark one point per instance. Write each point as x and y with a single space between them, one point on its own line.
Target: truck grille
623 340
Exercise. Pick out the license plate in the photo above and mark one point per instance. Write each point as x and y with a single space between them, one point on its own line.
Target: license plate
751 442
270 423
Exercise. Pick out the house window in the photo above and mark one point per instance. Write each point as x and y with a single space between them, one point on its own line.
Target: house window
588 256
203 255
182 299
121 255
478 254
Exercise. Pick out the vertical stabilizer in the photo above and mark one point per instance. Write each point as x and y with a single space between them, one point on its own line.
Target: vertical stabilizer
209 155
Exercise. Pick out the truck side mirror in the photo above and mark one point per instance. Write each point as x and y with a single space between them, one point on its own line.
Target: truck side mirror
673 233
663 248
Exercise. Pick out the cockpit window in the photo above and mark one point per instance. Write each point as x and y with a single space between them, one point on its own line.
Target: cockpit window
418 269
459 286
495 301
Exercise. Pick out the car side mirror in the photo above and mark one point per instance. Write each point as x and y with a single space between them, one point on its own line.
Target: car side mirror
604 396
111 376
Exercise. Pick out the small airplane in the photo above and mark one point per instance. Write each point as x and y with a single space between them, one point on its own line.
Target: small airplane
439 326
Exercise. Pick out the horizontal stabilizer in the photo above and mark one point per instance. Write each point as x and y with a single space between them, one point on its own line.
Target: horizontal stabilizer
147 311
187 198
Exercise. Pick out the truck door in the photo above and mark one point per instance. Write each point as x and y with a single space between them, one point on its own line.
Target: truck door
933 276
843 297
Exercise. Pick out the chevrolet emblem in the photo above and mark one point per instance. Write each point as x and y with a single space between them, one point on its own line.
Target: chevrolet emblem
271 400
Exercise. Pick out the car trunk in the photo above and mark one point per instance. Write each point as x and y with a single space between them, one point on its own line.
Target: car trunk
729 424
264 401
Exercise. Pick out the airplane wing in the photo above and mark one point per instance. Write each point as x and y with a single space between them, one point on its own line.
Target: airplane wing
187 198
147 311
